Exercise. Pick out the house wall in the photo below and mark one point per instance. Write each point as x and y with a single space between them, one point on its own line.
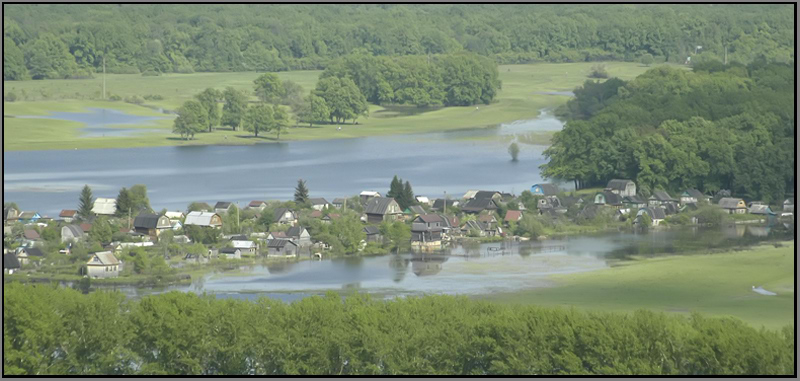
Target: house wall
98 271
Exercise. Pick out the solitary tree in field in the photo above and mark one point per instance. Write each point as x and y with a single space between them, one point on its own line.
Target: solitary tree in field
233 111
647 59
258 118
300 192
269 88
513 150
85 203
192 118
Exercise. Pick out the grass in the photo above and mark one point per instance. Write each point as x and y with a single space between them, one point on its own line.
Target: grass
517 100
716 284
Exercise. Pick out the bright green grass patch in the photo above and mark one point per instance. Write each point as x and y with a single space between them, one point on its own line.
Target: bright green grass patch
518 99
713 284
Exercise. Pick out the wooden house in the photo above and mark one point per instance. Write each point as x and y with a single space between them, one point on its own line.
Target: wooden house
27 254
733 205
299 235
257 205
622 187
380 209
368 195
373 233
285 216
10 263
204 219
426 231
151 224
544 189
230 253
67 215
692 196
656 214
319 203
281 248
338 203
660 197
222 207
103 265
10 215
512 216
28 217
608 198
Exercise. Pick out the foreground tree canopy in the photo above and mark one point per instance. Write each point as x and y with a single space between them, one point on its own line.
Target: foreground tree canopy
719 127
61 331
63 41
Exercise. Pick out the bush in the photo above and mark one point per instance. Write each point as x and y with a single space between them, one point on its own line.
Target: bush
153 97
135 99
10 96
114 97
599 71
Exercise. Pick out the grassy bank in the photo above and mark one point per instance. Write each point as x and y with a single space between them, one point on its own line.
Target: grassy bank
520 98
717 284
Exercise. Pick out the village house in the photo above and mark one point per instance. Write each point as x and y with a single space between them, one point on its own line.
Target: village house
656 215
281 248
318 203
257 205
368 195
285 216
478 205
201 207
338 202
222 207
450 227
633 202
175 216
544 189
423 200
788 205
28 254
10 263
72 233
104 206
103 265
733 205
151 224
381 209
30 235
373 233
473 227
277 235
316 214
622 187
299 235
330 217
414 210
550 202
426 231
67 215
692 196
512 216
760 209
608 198
204 219
230 253
439 204
10 214
659 198
28 217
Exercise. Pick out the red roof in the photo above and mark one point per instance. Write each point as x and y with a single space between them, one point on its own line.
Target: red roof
86 227
316 214
257 203
513 215
486 218
278 234
68 213
334 216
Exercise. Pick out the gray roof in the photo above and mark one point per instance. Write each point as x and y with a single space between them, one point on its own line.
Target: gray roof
371 230
729 202
670 208
34 251
106 258
295 231
438 204
228 250
10 261
655 213
280 212
760 209
76 230
378 205
318 201
548 189
485 194
479 204
612 198
661 195
279 243
222 205
618 184
428 218
416 209
695 193
635 199
338 200
146 221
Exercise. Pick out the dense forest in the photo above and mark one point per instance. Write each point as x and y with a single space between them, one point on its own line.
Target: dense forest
69 41
718 127
48 330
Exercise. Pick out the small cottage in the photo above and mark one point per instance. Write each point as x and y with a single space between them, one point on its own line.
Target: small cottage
67 215
368 195
338 203
761 209
439 204
622 187
733 205
281 248
28 217
660 197
204 219
414 210
380 209
478 205
151 224
103 265
423 200
175 216
299 235
257 205
788 205
512 216
104 206
285 216
318 203
426 231
633 202
10 263
230 253
544 189
10 214
28 254
246 246
691 196
608 198
72 233
656 214
222 207
373 233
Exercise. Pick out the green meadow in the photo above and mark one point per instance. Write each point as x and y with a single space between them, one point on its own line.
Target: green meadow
717 284
518 99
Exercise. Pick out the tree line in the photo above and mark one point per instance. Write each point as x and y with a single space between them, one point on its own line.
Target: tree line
49 330
68 41
718 127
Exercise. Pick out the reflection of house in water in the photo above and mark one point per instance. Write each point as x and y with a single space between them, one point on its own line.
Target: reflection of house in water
734 231
427 265
280 267
400 267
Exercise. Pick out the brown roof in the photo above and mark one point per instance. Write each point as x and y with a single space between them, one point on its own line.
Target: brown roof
513 215
86 227
486 218
68 213
31 234
278 234
316 214
429 218
257 203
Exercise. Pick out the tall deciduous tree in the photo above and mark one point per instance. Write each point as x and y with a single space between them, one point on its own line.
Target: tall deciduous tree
85 203
209 99
313 109
192 118
280 120
13 62
234 109
258 118
269 88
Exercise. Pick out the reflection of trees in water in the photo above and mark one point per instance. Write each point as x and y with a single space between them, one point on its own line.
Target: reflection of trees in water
472 248
400 266
354 261
276 268
423 265
525 250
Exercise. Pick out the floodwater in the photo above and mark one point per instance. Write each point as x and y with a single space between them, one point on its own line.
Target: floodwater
100 121
474 269
434 163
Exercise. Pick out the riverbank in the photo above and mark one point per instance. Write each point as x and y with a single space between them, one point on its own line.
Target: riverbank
526 89
718 284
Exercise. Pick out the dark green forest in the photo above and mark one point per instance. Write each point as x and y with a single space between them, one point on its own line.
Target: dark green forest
71 41
717 127
47 330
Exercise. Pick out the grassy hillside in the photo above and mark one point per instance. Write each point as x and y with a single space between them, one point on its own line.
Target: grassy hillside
518 99
715 284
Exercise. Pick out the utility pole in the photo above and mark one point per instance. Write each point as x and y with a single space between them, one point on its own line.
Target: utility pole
445 203
104 76
129 219
726 54
239 228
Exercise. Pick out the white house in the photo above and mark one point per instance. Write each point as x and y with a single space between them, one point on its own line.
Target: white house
206 219
622 187
103 265
72 233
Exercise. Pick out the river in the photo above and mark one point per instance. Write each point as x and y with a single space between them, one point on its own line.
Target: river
455 162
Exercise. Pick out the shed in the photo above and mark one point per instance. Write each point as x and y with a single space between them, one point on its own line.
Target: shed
230 253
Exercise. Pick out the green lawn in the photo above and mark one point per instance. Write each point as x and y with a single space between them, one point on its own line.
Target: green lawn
517 100
716 284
